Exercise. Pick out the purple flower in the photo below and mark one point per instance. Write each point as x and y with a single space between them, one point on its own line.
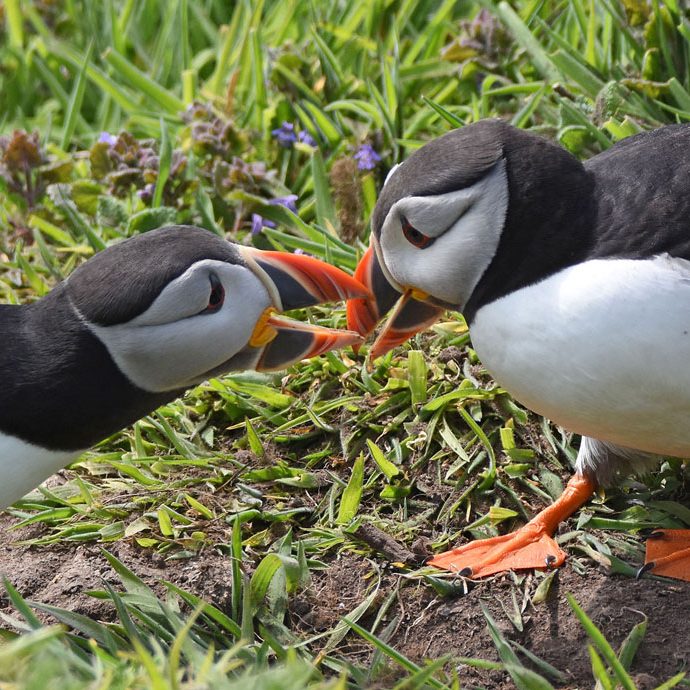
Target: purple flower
285 135
107 138
146 194
287 201
259 222
366 157
306 138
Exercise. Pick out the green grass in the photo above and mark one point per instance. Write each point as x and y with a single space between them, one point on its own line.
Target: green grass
231 466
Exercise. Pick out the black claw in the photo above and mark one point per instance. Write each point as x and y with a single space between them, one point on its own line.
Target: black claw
465 572
651 533
550 560
645 569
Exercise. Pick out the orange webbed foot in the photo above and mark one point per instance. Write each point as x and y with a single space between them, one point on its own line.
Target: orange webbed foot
668 554
532 546
516 551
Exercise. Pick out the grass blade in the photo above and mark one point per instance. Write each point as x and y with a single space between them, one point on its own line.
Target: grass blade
165 159
602 645
143 83
352 494
75 102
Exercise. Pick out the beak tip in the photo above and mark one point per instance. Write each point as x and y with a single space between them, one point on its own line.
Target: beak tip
296 341
379 351
354 339
361 316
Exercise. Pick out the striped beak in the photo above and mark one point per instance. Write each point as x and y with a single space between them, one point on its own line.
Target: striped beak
293 282
411 315
291 341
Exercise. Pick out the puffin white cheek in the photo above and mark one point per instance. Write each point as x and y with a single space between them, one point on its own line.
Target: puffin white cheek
176 355
203 343
437 274
451 267
466 225
433 270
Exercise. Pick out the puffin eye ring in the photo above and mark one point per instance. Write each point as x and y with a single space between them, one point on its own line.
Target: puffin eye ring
414 236
216 297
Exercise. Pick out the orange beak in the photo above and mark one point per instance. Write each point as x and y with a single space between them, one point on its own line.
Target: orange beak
409 317
294 341
411 314
365 312
295 281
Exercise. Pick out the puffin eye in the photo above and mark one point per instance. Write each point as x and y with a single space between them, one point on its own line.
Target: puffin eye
413 236
217 296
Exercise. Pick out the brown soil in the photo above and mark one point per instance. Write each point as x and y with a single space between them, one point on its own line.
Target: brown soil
418 623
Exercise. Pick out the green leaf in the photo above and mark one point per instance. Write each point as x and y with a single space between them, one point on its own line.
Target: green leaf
253 439
199 507
390 470
236 569
632 643
352 494
164 160
53 231
524 678
542 592
83 624
390 652
602 676
325 208
164 522
463 393
449 117
15 23
671 682
601 643
323 122
132 582
527 40
143 83
151 218
417 375
266 571
38 285
18 603
75 102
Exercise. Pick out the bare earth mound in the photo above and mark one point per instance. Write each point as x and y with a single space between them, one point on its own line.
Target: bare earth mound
420 624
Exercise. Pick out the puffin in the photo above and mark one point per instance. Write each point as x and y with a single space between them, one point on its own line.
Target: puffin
574 280
138 324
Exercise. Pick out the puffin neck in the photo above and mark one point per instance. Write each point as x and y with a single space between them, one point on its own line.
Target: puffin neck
61 389
549 191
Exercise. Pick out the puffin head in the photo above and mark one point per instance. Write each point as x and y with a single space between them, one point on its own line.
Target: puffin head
439 221
177 305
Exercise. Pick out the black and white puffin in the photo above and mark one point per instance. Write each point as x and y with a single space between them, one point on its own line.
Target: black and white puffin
135 326
574 279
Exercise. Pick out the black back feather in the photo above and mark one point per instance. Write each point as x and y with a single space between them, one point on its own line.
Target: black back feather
629 202
60 387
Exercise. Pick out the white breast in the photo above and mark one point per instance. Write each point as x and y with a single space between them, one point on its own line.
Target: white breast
24 466
601 348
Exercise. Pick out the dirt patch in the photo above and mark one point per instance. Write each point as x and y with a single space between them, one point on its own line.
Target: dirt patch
417 622
551 630
424 626
61 575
